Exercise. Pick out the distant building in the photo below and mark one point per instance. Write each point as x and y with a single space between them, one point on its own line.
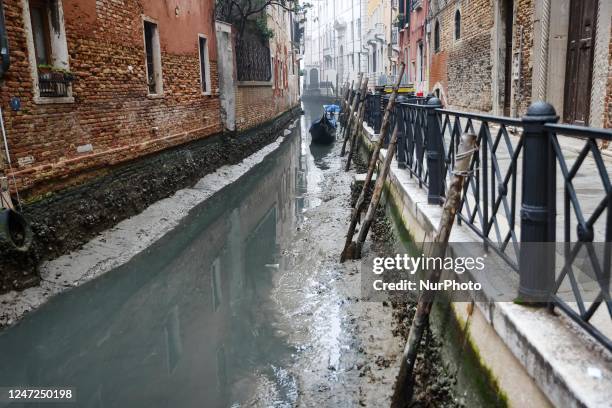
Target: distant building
414 43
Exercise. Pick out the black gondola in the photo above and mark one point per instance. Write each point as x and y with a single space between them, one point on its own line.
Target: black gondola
323 131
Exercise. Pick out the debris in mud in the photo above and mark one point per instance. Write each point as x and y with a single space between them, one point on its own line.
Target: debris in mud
361 166
433 383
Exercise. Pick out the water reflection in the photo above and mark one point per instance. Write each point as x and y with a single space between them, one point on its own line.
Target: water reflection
188 323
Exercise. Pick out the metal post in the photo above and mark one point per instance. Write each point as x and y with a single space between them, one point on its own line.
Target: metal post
401 141
435 153
538 207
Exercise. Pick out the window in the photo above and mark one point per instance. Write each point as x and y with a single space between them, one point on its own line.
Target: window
48 51
153 58
204 64
39 14
457 25
437 36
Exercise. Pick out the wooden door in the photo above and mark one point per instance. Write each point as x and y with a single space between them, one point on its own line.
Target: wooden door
579 68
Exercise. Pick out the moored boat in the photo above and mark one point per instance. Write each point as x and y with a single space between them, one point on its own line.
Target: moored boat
323 131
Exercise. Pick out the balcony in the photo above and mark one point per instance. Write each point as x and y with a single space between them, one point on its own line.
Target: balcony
54 84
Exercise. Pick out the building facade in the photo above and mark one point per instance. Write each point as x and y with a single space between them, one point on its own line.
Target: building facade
278 91
414 43
96 83
336 52
500 56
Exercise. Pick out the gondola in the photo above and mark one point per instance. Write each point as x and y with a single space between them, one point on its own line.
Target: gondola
323 131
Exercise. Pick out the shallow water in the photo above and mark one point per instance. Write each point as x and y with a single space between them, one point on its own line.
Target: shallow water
192 321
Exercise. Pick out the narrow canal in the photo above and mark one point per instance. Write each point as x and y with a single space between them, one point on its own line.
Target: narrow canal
243 304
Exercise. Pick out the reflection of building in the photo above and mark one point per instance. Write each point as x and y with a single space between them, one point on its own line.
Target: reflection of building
179 324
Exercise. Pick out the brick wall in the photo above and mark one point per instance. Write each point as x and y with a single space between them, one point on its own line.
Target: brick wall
257 103
463 66
111 109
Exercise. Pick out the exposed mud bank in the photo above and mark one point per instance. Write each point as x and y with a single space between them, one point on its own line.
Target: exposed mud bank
66 220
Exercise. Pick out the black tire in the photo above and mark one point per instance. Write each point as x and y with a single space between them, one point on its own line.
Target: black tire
15 231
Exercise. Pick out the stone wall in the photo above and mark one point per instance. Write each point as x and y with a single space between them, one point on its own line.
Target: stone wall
111 110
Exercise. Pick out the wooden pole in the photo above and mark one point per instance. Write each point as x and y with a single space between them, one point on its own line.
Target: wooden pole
356 213
347 92
349 122
405 385
378 189
359 122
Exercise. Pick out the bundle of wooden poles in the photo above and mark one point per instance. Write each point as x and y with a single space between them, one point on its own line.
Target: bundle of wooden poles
354 110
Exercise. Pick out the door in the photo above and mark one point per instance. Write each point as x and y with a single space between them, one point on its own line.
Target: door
579 68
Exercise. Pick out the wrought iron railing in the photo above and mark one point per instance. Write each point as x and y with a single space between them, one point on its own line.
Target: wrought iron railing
522 169
52 85
253 61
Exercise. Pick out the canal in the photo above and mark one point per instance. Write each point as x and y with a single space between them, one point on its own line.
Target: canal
242 304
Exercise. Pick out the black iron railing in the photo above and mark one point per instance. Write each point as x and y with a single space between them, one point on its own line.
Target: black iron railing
53 85
510 201
253 61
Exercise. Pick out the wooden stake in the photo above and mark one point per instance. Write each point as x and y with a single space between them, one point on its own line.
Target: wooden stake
359 122
350 120
344 104
378 189
347 252
405 385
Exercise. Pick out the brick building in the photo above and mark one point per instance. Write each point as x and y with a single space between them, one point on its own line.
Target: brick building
412 19
460 49
102 82
498 56
264 83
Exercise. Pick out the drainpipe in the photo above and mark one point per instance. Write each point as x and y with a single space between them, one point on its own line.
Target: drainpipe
4 46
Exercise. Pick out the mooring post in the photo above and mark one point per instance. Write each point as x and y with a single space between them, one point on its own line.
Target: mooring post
435 153
538 207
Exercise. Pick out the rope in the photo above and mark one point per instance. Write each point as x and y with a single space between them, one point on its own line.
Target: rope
462 155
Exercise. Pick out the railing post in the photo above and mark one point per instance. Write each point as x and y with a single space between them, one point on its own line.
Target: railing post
538 207
401 140
435 153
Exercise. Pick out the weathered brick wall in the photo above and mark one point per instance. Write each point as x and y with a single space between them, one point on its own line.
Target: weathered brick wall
112 111
463 66
256 103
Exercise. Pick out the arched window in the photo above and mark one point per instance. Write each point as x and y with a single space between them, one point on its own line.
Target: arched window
437 36
457 25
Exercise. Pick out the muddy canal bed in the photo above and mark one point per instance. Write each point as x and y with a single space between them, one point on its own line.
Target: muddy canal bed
243 303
